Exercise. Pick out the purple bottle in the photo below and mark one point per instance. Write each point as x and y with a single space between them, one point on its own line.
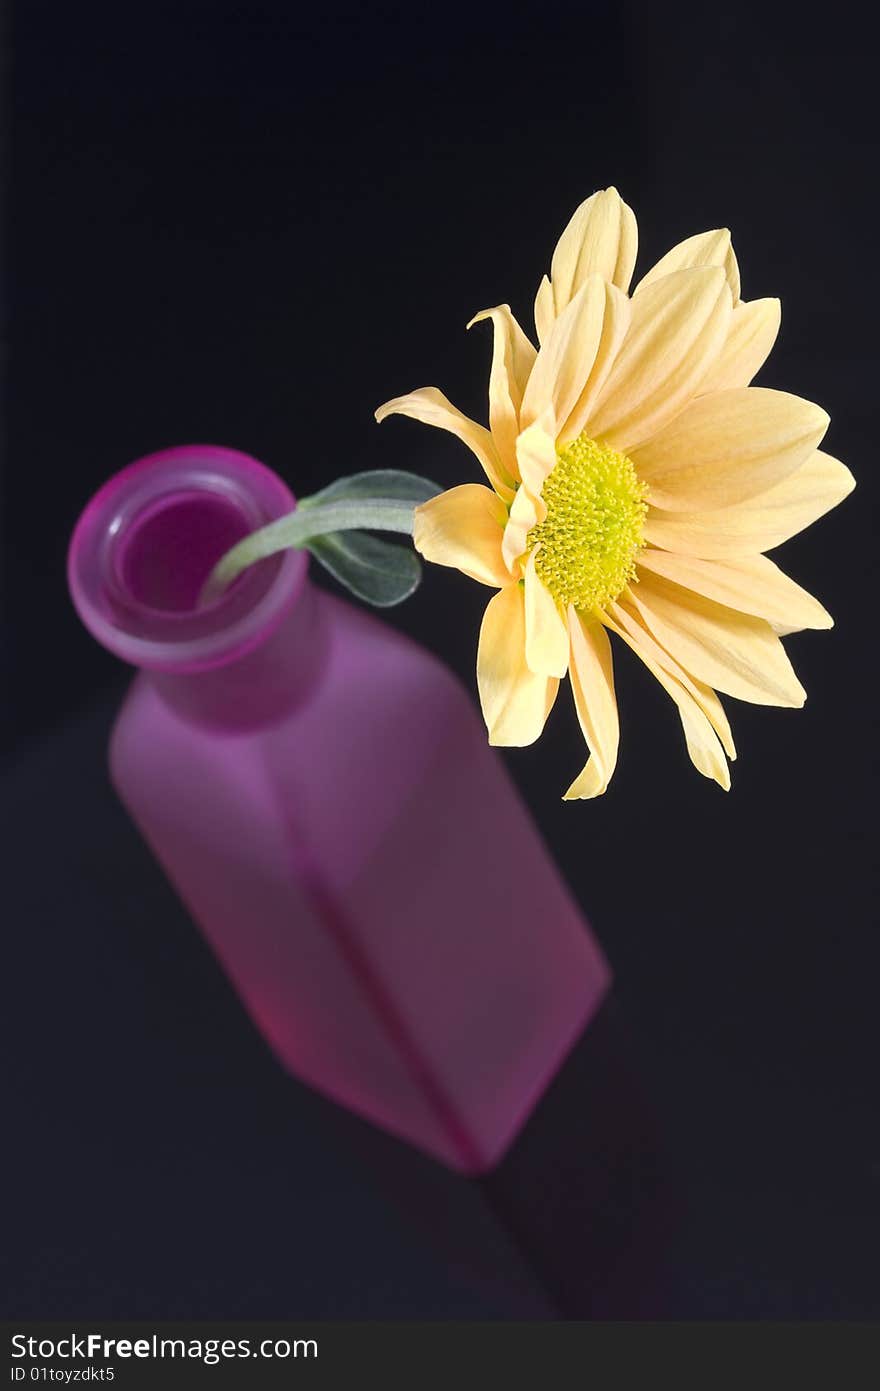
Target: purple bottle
320 792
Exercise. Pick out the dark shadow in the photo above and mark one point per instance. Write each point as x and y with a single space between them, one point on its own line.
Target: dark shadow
575 1220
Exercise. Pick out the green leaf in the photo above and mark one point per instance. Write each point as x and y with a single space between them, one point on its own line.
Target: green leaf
378 500
378 572
383 483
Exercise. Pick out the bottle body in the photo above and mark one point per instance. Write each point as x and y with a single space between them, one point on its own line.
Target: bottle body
358 859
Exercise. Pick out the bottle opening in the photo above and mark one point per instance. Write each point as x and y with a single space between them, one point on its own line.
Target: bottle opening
169 550
147 542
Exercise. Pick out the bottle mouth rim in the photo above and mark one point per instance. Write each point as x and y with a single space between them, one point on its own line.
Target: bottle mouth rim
181 637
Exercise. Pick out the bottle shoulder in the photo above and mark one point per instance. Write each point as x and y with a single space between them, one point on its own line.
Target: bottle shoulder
375 638
375 723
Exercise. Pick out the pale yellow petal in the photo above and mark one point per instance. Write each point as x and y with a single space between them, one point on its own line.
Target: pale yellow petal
705 249
536 453
627 619
615 327
761 522
678 327
514 700
546 633
513 358
752 584
727 447
431 407
544 310
750 338
703 745
732 651
600 239
464 528
589 783
565 361
592 683
525 513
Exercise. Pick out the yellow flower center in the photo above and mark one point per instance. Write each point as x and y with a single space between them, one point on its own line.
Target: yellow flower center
595 514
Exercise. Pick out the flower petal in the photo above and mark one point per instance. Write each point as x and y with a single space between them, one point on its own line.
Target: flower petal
761 522
729 650
565 361
431 407
627 619
513 358
678 327
545 313
703 745
750 338
463 527
724 448
705 249
752 584
546 633
592 682
525 513
601 239
536 453
514 700
615 326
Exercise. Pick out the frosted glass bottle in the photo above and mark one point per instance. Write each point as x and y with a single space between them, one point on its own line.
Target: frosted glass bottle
319 790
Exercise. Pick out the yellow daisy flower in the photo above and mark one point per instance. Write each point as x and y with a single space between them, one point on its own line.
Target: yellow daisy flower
636 480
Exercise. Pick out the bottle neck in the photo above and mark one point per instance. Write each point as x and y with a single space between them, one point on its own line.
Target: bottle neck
139 556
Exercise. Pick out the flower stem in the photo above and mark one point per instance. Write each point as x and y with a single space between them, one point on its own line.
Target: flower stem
312 518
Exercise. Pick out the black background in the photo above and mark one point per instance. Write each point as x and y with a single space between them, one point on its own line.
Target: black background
250 224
